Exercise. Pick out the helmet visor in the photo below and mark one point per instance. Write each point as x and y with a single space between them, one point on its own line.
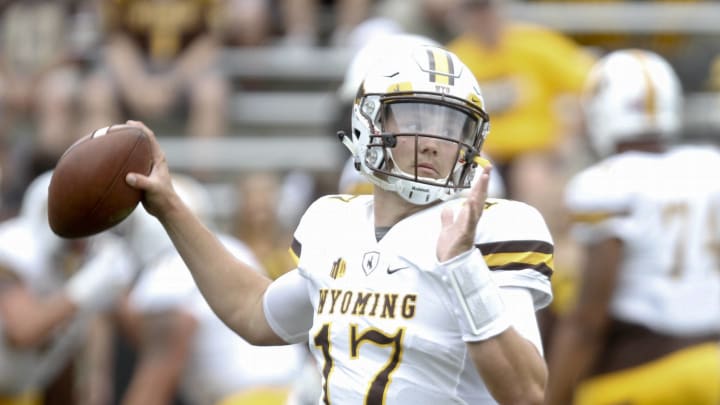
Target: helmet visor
427 118
428 142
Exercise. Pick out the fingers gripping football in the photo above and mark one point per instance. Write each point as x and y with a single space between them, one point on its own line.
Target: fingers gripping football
158 192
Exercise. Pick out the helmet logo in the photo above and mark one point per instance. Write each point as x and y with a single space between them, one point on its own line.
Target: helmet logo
400 87
475 99
650 99
441 67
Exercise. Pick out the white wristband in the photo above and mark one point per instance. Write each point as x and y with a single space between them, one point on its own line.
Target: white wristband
478 305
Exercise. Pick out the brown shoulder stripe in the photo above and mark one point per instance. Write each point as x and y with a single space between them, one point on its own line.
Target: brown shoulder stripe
516 246
519 255
295 250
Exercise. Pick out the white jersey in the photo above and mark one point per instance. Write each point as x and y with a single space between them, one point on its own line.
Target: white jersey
666 210
33 258
384 330
220 363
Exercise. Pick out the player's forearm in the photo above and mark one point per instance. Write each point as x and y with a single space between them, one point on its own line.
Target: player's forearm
152 384
201 55
96 382
231 287
29 322
512 368
166 344
572 352
125 63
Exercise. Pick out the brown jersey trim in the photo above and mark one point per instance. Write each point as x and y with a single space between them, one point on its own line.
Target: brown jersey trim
519 255
296 248
515 246
628 345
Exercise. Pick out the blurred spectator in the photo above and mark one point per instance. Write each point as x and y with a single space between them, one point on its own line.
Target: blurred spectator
429 18
257 222
713 76
647 216
183 347
161 62
688 49
247 23
301 20
44 46
663 42
524 70
51 289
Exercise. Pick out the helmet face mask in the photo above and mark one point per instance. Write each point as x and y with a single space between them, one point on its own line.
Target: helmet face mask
417 129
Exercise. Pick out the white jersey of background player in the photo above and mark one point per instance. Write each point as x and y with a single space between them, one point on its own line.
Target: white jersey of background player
219 364
35 260
649 215
663 206
666 210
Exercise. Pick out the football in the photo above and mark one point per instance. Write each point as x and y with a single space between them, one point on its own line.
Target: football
88 193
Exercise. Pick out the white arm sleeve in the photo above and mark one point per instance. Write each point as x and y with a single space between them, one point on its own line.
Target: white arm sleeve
287 307
519 308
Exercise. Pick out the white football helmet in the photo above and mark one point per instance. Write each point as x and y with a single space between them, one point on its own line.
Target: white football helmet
373 52
420 87
631 95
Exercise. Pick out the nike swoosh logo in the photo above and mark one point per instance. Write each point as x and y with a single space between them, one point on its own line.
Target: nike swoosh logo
395 270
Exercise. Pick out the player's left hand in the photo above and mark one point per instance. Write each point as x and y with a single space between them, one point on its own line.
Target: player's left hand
457 233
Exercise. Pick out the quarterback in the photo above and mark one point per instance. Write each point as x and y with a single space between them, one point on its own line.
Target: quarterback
417 294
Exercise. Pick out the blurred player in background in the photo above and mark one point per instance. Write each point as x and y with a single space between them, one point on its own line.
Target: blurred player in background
257 221
51 290
646 324
394 292
184 348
